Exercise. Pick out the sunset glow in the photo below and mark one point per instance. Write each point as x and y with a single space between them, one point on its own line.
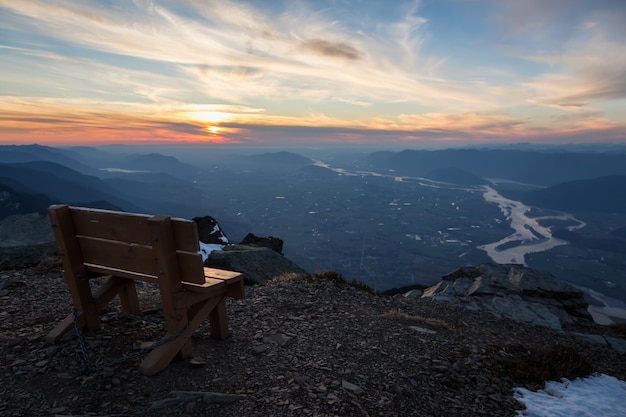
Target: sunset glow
405 72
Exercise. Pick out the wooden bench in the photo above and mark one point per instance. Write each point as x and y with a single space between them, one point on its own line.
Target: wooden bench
125 247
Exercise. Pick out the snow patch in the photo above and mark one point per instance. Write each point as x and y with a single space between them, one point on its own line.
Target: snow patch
207 248
598 395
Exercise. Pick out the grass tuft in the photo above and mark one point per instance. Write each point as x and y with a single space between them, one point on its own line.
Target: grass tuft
322 277
398 315
619 328
534 367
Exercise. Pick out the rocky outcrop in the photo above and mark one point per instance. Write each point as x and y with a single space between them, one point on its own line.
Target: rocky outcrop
258 264
18 257
209 231
259 259
271 242
25 240
514 292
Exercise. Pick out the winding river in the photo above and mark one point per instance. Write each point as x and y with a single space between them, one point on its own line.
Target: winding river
528 235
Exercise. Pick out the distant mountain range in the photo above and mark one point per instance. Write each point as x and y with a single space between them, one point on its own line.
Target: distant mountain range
154 182
604 194
533 167
60 184
455 176
156 163
12 154
281 159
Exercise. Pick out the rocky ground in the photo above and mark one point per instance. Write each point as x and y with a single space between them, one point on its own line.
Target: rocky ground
297 348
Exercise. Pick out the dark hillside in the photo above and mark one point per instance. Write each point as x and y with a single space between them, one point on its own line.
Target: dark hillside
542 168
61 184
455 176
13 202
157 163
10 154
284 159
604 194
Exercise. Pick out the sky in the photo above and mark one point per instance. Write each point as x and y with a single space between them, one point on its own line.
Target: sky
403 73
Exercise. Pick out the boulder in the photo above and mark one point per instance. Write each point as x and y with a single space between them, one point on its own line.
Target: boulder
258 264
209 231
19 257
271 242
513 291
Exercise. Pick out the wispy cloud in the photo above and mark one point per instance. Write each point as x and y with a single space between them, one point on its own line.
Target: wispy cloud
160 66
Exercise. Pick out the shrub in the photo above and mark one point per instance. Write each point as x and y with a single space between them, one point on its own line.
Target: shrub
327 276
620 328
536 366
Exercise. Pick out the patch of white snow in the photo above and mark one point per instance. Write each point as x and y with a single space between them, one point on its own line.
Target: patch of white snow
207 248
598 395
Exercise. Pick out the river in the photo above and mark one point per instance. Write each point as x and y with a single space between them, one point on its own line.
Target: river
532 236
528 237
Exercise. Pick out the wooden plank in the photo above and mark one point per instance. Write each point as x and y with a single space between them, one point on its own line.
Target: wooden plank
112 225
235 289
209 285
186 235
131 227
221 273
105 270
187 299
121 255
234 281
190 266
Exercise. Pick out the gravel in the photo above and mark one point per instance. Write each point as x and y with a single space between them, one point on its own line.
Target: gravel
296 348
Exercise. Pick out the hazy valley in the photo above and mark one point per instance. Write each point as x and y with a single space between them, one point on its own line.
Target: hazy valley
390 219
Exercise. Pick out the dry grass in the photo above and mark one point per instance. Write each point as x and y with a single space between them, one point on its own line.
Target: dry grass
289 277
398 315
620 328
321 277
534 367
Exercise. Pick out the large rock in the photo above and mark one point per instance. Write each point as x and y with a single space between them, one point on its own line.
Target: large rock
514 292
19 257
271 242
25 240
209 231
258 264
25 230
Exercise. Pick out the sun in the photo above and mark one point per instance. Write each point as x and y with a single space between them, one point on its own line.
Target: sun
214 129
212 120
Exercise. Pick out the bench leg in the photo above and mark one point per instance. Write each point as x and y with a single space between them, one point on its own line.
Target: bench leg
63 327
219 320
129 298
161 356
105 293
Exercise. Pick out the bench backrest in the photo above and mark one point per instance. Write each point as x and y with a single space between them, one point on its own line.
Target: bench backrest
129 245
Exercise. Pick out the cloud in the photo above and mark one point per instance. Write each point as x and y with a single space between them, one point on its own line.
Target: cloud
355 71
332 49
588 72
